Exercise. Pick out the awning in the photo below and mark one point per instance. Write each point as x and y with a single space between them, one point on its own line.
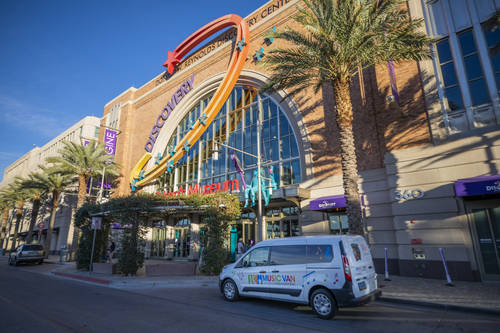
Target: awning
477 186
332 201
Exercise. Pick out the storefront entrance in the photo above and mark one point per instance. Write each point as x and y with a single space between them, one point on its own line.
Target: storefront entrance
486 229
182 237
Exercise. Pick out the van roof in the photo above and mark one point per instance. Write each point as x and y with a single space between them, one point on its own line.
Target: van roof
305 239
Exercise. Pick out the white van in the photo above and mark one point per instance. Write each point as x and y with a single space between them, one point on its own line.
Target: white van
326 272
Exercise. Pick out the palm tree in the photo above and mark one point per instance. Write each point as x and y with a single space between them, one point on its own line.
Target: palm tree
83 162
35 195
55 182
16 195
335 38
4 209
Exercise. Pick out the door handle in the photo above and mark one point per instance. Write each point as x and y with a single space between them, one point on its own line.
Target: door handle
262 271
275 271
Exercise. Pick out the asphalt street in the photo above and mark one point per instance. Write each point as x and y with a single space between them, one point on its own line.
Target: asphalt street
33 302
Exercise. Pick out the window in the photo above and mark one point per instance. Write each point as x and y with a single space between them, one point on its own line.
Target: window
449 76
356 251
319 253
257 257
473 69
236 126
288 255
492 36
338 223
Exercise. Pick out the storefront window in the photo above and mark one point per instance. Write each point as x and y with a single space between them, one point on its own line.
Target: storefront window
338 223
236 126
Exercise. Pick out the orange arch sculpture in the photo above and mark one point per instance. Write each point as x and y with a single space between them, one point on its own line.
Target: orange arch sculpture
140 177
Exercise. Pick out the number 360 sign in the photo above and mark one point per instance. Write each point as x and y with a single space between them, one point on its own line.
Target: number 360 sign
408 194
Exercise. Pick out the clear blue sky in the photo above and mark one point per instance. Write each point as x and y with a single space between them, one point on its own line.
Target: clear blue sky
61 60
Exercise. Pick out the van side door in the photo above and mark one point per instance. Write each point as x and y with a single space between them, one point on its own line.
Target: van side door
253 272
288 267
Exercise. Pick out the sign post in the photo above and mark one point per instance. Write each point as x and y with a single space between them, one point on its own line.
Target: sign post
96 224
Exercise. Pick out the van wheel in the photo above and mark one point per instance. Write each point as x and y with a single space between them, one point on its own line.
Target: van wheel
230 291
323 304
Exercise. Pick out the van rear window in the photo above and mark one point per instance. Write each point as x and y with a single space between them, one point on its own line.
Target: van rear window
32 248
356 251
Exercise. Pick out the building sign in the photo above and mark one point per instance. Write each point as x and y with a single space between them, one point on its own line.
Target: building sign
110 141
184 88
230 35
225 186
477 186
334 201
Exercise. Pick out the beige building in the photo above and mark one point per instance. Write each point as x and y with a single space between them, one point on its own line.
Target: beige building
84 130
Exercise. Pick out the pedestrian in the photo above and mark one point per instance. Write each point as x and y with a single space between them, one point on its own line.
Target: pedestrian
251 243
240 249
111 251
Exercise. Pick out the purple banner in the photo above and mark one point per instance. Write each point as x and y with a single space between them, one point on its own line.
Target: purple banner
333 201
237 166
392 78
477 186
86 143
110 141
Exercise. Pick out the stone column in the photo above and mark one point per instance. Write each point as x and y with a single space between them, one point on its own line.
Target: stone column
194 250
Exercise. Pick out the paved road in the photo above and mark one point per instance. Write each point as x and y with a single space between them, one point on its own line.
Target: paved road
32 302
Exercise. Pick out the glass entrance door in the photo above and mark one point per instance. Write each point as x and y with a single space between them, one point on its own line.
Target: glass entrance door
487 230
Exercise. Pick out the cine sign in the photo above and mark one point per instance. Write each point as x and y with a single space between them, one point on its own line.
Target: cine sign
96 223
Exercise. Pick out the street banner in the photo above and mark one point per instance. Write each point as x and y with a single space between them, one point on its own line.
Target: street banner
110 141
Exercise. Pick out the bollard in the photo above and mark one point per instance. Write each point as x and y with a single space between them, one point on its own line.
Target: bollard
386 267
449 283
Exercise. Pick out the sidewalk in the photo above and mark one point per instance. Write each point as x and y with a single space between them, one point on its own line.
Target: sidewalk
482 297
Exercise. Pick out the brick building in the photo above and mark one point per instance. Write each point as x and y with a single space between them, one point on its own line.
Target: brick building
413 156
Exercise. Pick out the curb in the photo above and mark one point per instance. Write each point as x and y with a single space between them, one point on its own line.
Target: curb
442 306
82 278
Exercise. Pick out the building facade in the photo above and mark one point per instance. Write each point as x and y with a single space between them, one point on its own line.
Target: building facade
83 131
419 159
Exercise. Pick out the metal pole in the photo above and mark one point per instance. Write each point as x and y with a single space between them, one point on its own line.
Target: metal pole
261 235
449 283
91 266
386 267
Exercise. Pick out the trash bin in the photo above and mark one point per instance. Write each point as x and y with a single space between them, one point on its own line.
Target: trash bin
62 254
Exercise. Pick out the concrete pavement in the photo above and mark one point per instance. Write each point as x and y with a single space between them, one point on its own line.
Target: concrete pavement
480 297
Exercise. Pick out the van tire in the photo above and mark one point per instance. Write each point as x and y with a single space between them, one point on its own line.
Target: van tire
323 304
230 291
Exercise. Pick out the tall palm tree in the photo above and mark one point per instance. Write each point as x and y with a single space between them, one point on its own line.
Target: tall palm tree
16 195
4 210
35 195
336 37
55 182
83 162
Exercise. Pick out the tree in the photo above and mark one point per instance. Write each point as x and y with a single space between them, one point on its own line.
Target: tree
84 162
6 203
16 195
55 182
335 38
35 195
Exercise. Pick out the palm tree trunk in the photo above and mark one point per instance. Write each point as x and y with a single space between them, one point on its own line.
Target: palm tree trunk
34 215
344 119
82 190
3 226
48 239
82 195
19 215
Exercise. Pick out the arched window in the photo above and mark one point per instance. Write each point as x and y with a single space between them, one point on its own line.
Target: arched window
236 126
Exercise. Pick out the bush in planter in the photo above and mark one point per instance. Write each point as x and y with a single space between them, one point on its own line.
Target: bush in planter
131 255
